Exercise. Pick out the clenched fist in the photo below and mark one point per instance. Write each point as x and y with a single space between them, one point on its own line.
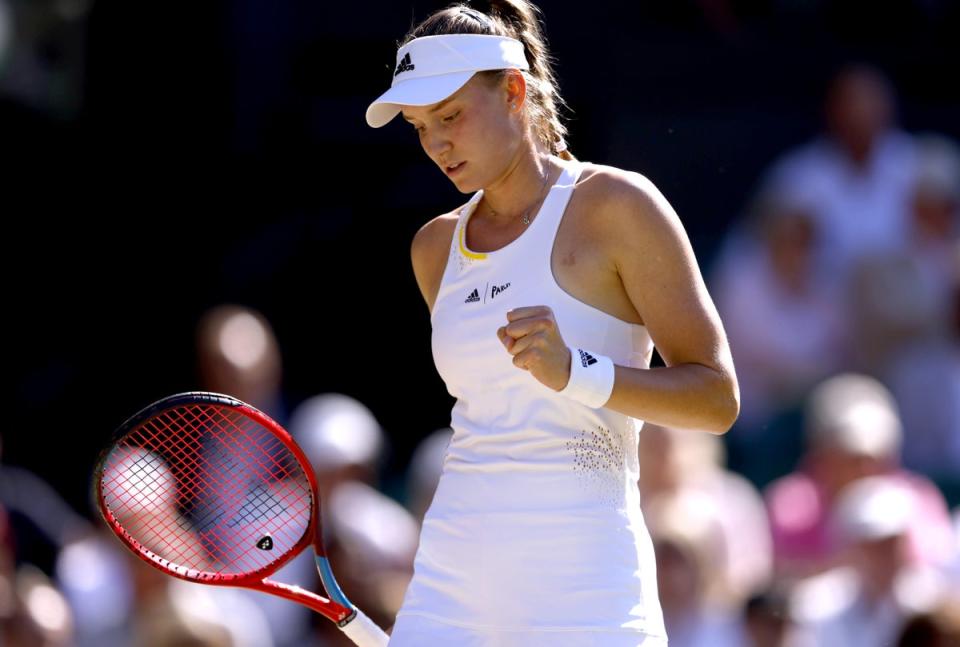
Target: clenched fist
533 338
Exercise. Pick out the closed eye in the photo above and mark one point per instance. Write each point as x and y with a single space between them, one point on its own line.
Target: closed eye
450 118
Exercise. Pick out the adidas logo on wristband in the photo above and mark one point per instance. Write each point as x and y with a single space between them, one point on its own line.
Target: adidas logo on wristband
590 387
586 358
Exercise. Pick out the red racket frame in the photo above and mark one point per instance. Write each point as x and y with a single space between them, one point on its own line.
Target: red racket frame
336 608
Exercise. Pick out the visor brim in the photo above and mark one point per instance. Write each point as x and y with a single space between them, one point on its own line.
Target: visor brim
420 91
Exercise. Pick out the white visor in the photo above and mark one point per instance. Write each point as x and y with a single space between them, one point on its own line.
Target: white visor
431 68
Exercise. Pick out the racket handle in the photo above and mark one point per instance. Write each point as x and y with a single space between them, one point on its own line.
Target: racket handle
364 632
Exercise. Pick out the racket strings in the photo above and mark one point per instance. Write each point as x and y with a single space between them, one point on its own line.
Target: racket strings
207 491
234 457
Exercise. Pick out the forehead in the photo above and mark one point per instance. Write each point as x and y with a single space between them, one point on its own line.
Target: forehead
418 112
467 92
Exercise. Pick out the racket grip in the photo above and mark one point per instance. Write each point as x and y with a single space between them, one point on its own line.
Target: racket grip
364 632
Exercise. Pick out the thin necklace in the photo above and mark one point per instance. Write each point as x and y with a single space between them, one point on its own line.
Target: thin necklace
525 218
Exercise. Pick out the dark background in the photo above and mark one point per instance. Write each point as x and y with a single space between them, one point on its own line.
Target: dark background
219 154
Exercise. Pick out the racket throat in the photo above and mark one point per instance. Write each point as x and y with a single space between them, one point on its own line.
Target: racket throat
330 583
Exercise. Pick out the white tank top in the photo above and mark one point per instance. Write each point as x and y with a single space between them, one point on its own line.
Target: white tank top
536 522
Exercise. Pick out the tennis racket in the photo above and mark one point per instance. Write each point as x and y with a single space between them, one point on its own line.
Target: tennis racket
209 489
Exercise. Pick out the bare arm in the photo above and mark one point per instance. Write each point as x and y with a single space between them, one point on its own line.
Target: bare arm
419 258
697 388
428 254
646 245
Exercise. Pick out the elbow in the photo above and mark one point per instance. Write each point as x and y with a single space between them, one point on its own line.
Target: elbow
727 408
730 412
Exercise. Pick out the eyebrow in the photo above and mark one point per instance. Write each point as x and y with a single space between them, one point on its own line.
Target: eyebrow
433 109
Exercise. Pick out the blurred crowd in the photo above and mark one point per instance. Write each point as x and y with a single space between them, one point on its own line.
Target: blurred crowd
822 519
98 594
840 292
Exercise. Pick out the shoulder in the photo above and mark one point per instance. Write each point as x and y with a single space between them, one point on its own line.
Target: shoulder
429 249
432 233
610 186
628 209
621 193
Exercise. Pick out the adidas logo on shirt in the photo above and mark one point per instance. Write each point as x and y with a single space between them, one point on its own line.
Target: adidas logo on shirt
586 358
474 296
405 64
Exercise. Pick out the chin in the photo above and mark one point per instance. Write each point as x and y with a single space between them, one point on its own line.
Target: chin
463 187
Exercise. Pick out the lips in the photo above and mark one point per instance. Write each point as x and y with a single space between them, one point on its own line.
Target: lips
455 168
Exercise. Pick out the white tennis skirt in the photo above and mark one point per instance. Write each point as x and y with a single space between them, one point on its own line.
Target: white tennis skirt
416 630
575 577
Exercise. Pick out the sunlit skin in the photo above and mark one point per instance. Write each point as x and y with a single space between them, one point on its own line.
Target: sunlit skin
483 125
643 246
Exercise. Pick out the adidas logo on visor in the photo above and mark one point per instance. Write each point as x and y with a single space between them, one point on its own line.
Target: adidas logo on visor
405 64
586 358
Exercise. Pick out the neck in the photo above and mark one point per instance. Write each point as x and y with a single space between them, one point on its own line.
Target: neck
519 189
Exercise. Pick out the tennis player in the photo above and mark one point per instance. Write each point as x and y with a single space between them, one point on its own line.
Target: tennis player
547 292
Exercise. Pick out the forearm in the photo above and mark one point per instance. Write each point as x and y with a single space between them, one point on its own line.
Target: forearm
689 396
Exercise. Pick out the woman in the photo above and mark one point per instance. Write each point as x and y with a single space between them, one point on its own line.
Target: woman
547 291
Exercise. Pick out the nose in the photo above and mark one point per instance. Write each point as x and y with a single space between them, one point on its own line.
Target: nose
436 144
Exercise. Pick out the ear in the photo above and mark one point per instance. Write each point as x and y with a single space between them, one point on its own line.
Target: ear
515 86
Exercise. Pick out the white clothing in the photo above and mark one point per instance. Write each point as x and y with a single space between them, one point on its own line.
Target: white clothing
535 535
858 210
782 341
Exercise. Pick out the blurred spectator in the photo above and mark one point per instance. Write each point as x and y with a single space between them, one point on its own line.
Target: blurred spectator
769 621
954 569
853 431
33 613
122 601
38 512
342 439
908 316
784 320
371 542
39 524
95 576
858 177
937 628
689 465
935 229
688 544
40 617
370 538
238 355
866 600
902 297
183 614
424 471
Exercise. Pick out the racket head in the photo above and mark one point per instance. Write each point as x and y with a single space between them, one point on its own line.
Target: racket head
208 489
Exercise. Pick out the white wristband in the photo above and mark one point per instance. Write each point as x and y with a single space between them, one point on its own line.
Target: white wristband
591 378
